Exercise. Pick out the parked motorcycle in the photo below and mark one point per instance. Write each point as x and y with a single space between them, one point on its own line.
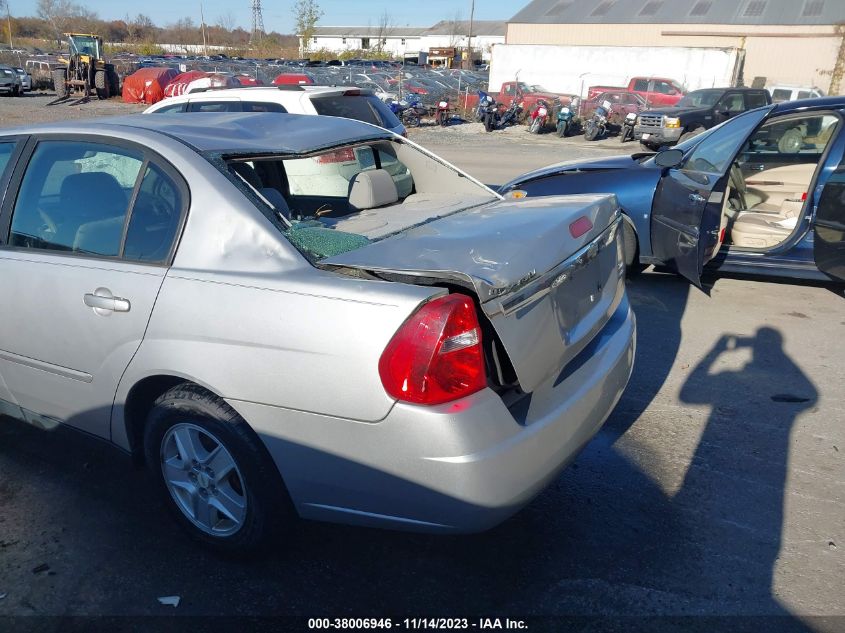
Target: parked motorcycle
627 133
597 125
409 110
488 111
539 117
496 121
480 109
443 115
564 121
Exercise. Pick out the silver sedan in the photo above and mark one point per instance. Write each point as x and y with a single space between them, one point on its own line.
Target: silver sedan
410 350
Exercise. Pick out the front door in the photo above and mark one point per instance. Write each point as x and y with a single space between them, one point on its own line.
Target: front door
81 265
688 206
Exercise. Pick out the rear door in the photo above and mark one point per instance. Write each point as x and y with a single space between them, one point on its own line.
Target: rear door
87 238
687 209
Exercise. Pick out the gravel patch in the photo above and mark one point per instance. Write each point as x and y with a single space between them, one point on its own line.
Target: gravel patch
32 108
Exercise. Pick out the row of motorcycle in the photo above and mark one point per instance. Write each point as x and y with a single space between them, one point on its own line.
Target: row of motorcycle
494 118
411 110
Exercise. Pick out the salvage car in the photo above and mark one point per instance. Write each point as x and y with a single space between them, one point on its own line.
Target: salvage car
365 358
10 82
761 193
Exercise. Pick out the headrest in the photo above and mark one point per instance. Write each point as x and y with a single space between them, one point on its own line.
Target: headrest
371 189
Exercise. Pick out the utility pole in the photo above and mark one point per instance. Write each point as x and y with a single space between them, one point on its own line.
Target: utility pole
9 22
469 37
204 42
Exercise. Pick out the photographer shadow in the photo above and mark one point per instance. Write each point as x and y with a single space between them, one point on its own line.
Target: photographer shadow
755 393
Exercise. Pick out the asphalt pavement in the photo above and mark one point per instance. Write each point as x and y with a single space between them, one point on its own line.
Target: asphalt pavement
715 490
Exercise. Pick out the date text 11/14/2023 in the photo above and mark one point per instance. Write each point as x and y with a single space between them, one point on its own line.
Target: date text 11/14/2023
434 624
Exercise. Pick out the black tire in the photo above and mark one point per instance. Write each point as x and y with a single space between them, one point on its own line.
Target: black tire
562 129
591 131
690 134
488 122
113 80
101 84
631 249
268 506
534 128
16 91
649 147
442 118
60 82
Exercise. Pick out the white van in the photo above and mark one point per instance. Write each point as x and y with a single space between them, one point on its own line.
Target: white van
793 93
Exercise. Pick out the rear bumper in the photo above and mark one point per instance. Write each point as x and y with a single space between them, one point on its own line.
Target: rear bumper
657 136
461 467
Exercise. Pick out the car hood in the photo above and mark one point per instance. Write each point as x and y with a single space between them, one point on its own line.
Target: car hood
607 163
675 111
545 286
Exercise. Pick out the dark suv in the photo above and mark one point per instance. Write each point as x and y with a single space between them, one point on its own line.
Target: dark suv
697 111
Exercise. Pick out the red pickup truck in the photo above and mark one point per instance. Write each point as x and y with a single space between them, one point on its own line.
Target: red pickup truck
657 91
527 94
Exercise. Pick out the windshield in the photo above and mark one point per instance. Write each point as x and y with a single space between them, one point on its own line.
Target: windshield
700 98
85 45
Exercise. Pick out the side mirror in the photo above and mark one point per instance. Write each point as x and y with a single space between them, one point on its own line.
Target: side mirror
669 158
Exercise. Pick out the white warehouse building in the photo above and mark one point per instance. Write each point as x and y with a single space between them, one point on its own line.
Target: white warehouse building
403 41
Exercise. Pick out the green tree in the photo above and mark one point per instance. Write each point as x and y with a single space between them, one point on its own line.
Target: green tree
306 14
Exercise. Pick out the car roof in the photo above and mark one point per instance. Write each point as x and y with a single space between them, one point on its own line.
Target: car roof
815 104
277 93
227 132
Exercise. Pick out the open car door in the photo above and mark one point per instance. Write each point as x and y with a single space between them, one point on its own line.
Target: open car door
688 213
829 227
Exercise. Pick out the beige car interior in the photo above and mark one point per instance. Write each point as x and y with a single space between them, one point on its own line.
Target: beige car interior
375 207
764 204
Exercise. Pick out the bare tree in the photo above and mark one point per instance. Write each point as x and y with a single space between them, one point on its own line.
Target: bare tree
306 14
455 28
383 29
227 23
140 27
58 14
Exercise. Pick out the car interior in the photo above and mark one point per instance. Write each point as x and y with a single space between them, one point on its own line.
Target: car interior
75 197
371 190
771 176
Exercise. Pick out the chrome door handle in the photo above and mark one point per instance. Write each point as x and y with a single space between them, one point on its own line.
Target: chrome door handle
697 198
104 302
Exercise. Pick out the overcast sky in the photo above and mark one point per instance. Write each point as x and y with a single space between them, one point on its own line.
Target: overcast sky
278 13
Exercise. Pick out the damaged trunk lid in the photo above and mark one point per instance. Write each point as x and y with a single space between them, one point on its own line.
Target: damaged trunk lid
547 271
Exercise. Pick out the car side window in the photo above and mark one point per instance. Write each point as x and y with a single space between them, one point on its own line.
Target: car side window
155 217
263 106
175 107
715 153
6 150
804 94
663 87
74 197
214 106
731 102
807 135
781 95
641 84
755 100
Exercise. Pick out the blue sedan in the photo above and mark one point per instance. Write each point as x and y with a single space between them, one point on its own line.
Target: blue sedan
762 193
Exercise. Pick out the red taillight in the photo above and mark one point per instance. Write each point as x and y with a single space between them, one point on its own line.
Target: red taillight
804 197
346 155
580 226
436 355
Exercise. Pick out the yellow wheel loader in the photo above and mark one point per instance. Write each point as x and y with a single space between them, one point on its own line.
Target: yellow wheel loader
84 71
